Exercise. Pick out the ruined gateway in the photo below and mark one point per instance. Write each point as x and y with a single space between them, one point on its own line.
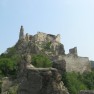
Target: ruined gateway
32 80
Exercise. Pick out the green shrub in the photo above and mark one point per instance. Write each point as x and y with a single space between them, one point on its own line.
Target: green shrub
88 80
7 67
73 83
41 61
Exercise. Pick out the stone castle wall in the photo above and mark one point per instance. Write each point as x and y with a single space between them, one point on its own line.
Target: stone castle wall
76 63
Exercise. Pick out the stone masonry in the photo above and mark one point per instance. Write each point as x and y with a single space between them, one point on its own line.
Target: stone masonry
34 44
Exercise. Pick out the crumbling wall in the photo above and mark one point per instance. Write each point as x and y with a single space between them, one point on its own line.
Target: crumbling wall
40 37
73 51
77 64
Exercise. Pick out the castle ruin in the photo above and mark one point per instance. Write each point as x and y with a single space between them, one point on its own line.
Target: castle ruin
39 37
73 61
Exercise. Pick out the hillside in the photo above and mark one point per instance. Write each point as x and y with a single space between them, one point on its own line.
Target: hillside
38 64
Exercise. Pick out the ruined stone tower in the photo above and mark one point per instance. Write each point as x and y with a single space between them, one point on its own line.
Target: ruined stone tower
21 35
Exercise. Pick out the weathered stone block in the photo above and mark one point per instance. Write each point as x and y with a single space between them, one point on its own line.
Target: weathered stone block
86 92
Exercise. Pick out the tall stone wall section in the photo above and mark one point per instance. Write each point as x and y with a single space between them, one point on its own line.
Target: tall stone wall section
77 64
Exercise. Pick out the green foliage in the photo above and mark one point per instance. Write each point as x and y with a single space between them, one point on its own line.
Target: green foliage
76 81
7 67
88 80
9 53
8 62
41 61
73 83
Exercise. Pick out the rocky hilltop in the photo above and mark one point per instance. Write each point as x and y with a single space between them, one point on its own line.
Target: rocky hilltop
33 80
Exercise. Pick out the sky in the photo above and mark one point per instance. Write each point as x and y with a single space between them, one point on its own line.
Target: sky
72 19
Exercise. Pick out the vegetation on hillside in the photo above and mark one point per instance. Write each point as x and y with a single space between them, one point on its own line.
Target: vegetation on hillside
73 81
8 63
76 81
41 61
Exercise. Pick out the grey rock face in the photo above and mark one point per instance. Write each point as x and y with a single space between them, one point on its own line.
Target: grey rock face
60 65
30 84
6 84
42 81
61 50
86 92
9 86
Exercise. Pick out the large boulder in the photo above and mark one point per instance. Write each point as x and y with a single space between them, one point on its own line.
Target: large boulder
42 81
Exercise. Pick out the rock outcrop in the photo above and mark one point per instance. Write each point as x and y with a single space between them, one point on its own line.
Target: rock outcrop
9 86
42 81
32 80
86 92
60 65
39 80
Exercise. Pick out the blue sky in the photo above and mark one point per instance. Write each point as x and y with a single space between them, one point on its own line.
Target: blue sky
73 19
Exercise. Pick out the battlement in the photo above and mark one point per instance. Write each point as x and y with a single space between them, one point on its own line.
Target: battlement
73 51
39 37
